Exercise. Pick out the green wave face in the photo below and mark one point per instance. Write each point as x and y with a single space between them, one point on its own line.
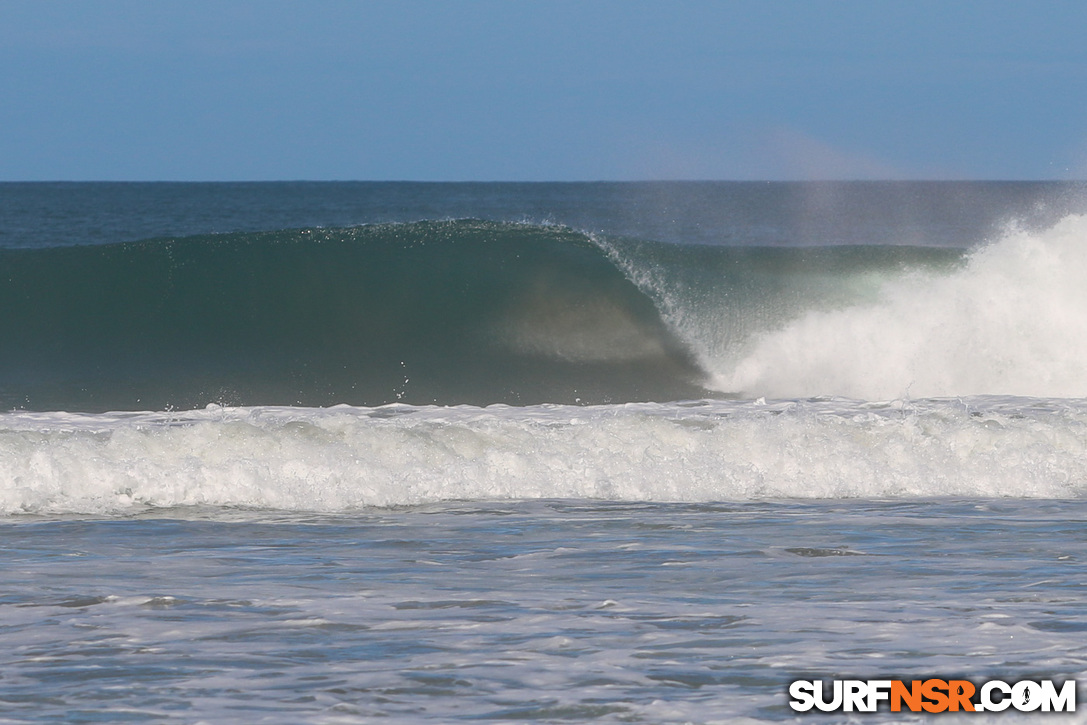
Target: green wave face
430 312
721 300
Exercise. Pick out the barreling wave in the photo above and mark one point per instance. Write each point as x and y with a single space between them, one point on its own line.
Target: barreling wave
880 323
432 312
342 458
475 312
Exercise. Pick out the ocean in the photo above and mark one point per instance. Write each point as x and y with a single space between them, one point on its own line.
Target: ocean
613 452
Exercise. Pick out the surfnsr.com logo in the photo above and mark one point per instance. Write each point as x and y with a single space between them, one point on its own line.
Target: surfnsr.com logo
932 695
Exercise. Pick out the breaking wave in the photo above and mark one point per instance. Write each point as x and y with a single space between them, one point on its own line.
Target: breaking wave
342 458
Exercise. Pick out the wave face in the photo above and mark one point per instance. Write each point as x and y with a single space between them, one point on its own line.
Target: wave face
341 458
879 323
354 367
430 312
474 312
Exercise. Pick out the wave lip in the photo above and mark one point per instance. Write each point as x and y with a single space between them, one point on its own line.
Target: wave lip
879 322
448 312
343 458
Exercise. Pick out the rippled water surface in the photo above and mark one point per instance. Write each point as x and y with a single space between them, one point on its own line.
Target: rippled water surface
552 611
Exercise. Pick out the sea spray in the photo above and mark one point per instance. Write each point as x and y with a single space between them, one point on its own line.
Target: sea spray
1011 321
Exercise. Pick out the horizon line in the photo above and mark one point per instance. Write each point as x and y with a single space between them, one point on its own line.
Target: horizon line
537 181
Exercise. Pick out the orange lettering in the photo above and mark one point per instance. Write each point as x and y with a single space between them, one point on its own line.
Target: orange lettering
912 696
960 692
931 690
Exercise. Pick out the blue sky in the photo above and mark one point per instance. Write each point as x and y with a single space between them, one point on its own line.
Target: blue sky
532 90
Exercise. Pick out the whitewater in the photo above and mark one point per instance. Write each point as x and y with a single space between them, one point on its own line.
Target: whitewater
551 452
343 458
1010 321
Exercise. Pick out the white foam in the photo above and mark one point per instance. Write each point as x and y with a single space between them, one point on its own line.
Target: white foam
1012 322
343 458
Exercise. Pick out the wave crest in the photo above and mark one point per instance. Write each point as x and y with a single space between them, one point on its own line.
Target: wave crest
1011 321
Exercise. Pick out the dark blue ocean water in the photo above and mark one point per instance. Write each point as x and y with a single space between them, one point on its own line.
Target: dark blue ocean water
956 214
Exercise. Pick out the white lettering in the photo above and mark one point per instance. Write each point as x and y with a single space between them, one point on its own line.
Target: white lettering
802 692
855 696
835 703
992 696
987 699
1063 701
1026 696
878 690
